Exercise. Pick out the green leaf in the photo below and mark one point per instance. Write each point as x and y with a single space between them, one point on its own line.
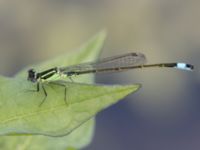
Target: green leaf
78 139
20 113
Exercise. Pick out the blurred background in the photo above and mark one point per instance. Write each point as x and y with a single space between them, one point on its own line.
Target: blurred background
165 113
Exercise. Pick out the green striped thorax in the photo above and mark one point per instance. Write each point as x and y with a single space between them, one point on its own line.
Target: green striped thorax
47 75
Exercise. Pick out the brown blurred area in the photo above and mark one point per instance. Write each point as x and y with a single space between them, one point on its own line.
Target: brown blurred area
164 114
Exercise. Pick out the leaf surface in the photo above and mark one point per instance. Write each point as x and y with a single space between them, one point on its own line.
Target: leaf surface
21 116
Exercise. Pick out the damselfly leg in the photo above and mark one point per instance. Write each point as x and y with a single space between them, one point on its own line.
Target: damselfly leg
61 83
45 93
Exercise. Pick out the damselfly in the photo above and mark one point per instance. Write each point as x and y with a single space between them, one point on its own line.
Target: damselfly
111 64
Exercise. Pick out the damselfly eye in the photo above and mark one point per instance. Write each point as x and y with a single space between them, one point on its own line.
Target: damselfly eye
31 71
31 75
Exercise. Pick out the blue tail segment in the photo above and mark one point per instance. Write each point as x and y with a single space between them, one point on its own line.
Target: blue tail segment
184 66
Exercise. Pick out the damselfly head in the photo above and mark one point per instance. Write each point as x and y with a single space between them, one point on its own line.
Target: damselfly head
32 75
